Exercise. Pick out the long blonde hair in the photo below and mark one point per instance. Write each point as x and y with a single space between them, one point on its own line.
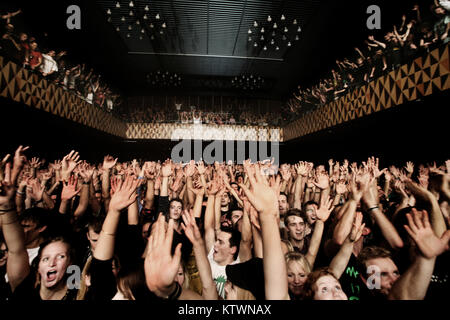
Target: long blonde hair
83 287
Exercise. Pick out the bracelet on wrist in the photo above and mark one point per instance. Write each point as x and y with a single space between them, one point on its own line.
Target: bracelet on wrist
109 234
13 208
11 222
20 192
373 208
177 292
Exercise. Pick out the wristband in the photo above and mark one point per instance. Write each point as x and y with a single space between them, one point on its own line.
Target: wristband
373 208
86 182
109 234
8 210
176 294
140 178
11 222
20 192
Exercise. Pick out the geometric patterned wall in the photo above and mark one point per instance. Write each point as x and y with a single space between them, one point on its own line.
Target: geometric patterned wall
24 86
422 77
203 131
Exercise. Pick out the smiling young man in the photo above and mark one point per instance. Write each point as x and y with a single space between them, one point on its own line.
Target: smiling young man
298 228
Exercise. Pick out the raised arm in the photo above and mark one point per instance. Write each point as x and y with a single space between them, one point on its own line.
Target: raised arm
370 200
265 201
413 284
124 195
209 291
209 223
108 163
322 216
17 266
341 259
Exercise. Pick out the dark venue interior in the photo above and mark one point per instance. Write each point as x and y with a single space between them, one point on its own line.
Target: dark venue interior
340 107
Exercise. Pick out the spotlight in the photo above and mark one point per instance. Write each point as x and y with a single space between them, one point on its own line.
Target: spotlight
108 12
157 16
286 29
277 48
128 35
262 38
146 8
265 48
282 17
117 29
130 27
255 24
131 13
262 30
145 17
131 4
269 18
117 4
294 22
163 25
122 19
275 25
255 45
289 44
249 31
299 29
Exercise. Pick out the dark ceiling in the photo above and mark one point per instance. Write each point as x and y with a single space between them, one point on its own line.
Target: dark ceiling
206 42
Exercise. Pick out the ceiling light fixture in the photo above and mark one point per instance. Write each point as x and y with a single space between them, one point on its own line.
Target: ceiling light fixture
294 22
122 19
283 17
131 4
117 4
157 16
146 8
255 24
108 12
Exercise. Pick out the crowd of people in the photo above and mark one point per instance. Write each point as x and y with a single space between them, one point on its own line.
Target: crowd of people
55 67
193 115
416 34
144 230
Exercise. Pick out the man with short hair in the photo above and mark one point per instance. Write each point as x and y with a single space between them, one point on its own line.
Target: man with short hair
298 229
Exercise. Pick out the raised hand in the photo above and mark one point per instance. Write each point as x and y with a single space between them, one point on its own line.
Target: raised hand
201 169
86 173
262 196
409 167
324 211
35 190
160 266
35 163
370 196
357 228
68 164
322 180
167 169
189 169
341 187
125 194
70 189
109 162
420 230
190 227
7 190
19 157
302 168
